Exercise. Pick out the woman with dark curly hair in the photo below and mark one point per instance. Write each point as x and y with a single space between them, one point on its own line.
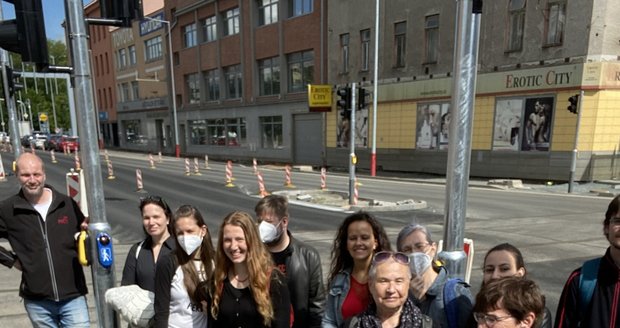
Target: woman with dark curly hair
359 237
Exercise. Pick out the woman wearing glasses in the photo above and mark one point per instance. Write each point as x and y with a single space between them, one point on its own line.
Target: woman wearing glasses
181 277
140 264
447 301
505 260
509 302
249 291
358 238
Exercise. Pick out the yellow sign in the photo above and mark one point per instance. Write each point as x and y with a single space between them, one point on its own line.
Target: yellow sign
319 95
43 117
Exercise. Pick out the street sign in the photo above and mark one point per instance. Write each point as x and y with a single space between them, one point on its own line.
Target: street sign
43 117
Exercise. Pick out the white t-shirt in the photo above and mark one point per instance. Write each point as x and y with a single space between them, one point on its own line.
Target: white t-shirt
44 207
183 313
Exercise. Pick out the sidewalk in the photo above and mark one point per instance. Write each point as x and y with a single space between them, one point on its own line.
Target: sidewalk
12 312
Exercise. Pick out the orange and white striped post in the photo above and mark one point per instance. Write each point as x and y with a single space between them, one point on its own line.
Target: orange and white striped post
206 162
196 167
139 180
255 166
355 193
323 178
77 161
110 171
53 155
2 174
187 172
151 161
229 174
288 182
159 158
106 156
262 192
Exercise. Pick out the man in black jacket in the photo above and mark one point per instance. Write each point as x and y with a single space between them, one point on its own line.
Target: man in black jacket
40 224
300 263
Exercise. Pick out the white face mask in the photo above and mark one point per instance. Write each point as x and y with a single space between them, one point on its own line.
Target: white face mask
189 243
269 232
419 263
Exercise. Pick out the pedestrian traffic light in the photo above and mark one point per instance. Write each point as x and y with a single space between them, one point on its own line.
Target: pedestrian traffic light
13 79
124 10
25 34
573 106
363 98
344 101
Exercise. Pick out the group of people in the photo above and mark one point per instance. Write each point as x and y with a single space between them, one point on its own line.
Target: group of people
259 275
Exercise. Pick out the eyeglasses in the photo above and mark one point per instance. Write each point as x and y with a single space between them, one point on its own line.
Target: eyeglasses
399 257
154 200
489 319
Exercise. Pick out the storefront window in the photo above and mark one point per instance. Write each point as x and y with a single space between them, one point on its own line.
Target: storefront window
271 132
226 132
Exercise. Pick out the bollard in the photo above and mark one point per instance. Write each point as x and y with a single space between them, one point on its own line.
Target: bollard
323 178
288 182
355 193
53 155
196 167
187 166
77 161
229 175
106 156
255 165
262 192
159 158
206 162
110 171
151 161
139 181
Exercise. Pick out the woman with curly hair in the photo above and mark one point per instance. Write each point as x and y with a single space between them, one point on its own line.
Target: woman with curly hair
249 291
180 276
359 237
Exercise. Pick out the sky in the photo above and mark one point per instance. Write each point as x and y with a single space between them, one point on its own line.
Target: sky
54 15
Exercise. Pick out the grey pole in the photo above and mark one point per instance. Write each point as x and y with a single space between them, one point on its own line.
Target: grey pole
375 88
10 102
459 149
352 157
573 161
103 278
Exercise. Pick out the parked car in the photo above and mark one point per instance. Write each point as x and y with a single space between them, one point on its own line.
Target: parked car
70 143
40 141
54 142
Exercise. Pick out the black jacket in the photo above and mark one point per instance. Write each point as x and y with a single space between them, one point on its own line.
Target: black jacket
46 249
141 271
604 308
304 276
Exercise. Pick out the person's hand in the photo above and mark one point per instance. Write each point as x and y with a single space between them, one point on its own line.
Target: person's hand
84 225
17 265
417 287
205 306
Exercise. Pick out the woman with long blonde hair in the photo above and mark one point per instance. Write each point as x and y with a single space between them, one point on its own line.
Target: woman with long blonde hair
248 290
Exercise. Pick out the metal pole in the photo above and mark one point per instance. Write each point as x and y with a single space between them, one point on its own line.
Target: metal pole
459 149
573 162
54 111
375 88
2 115
352 157
103 278
30 113
55 79
10 101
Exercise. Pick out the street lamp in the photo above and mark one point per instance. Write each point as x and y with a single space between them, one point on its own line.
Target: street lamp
177 148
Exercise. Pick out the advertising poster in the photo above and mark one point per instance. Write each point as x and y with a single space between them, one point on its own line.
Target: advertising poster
433 125
344 129
506 135
537 117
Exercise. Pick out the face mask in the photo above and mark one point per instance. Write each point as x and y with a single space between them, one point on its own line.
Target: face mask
189 243
269 232
419 263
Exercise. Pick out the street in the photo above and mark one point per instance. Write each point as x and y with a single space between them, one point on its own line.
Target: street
555 232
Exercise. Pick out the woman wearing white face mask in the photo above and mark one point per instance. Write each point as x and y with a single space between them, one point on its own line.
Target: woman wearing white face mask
182 277
447 301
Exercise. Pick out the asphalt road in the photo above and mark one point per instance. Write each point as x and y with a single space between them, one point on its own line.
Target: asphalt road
555 232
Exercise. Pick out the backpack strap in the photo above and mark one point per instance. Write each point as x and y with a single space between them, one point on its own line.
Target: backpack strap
587 282
449 302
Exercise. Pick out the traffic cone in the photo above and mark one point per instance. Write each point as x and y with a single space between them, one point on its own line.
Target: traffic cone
206 162
288 182
196 167
262 192
140 186
110 171
255 166
53 155
229 175
151 161
187 172
323 178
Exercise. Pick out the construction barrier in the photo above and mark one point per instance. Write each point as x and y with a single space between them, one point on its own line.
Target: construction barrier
255 166
110 171
262 192
229 174
139 181
288 182
323 178
53 155
151 161
73 185
83 200
206 162
187 172
77 161
196 167
2 173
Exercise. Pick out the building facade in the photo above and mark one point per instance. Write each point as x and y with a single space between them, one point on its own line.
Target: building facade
534 58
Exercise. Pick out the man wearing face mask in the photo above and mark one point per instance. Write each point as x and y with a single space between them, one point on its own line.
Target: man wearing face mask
300 263
447 301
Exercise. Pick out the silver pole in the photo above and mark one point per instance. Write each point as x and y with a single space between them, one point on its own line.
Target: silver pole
30 113
352 157
573 160
10 101
103 278
375 93
459 149
2 115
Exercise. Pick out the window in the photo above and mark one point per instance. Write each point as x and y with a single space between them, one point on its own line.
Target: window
400 39
267 12
300 70
212 82
135 90
231 22
122 58
192 83
555 19
153 48
299 7
232 74
271 132
190 38
125 92
431 32
516 24
269 76
198 132
132 55
226 132
209 29
365 51
344 52
132 130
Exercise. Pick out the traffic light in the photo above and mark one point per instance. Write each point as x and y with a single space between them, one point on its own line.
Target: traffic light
13 79
573 106
345 98
25 34
363 98
124 10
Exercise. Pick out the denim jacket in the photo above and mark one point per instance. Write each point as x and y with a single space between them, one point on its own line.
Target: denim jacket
338 290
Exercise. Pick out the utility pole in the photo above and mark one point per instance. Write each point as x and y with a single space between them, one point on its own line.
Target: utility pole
461 122
103 276
573 161
10 101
